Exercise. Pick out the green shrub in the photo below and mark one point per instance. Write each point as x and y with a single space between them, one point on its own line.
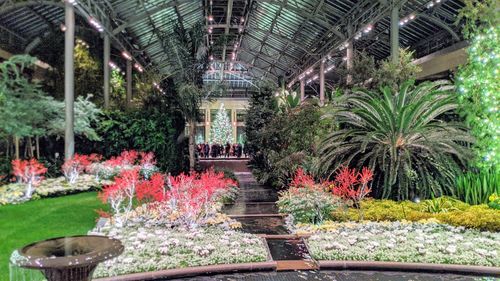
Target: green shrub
475 188
141 130
442 205
494 201
453 212
401 135
308 205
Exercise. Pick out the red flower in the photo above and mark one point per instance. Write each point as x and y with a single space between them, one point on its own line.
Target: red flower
352 185
28 171
152 190
301 179
73 167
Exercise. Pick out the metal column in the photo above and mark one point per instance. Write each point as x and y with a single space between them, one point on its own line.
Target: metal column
322 83
395 34
69 80
106 71
129 83
302 90
349 60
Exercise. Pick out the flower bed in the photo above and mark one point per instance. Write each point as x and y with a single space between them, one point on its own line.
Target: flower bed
14 193
156 248
443 209
405 242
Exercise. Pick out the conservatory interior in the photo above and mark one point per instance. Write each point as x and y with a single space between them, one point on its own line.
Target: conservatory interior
249 140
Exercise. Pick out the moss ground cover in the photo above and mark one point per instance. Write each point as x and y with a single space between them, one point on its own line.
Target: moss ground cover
42 219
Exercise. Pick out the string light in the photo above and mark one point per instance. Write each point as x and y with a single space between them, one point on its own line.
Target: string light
479 80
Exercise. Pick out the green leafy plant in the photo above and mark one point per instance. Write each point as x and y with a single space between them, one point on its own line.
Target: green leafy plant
287 101
494 201
439 205
479 79
401 136
308 205
395 74
475 188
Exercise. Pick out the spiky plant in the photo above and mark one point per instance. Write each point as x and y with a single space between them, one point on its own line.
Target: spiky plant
402 136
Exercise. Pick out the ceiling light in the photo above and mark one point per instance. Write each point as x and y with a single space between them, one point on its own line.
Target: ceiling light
126 55
138 67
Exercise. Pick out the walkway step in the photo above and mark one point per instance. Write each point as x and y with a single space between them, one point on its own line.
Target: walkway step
296 265
288 249
248 208
263 225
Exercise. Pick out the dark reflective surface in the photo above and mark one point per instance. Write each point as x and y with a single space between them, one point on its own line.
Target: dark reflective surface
288 249
68 258
338 276
263 225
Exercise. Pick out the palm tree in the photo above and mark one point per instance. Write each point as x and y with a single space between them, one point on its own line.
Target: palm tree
188 61
402 136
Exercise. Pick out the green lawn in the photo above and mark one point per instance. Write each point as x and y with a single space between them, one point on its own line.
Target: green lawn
42 219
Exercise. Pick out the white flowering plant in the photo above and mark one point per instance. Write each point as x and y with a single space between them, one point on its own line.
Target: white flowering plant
405 242
153 248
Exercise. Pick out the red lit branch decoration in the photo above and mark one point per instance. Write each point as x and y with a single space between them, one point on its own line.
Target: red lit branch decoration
30 172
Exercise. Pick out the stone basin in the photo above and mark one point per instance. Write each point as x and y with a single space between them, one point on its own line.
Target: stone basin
68 258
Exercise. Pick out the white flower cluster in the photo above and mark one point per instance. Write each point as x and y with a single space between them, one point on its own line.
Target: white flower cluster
406 242
157 248
14 193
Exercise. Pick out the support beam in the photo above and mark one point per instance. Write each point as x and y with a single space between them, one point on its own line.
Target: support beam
228 25
106 71
322 83
349 60
395 34
441 24
129 83
69 81
302 90
148 13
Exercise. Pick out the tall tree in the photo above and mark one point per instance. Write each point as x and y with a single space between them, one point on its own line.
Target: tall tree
188 61
221 131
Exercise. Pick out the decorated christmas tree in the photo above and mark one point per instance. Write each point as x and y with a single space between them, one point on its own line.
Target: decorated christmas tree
221 131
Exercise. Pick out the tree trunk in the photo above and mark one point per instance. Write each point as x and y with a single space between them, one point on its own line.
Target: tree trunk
7 148
30 147
37 141
16 144
192 159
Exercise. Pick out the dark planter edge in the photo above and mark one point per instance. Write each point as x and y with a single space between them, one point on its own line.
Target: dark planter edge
194 271
410 267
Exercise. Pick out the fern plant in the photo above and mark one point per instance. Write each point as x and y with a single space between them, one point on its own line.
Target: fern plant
401 136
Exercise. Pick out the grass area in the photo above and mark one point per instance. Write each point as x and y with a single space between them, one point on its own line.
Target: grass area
42 219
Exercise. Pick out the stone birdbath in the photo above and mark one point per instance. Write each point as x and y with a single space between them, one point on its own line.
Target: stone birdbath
71 258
